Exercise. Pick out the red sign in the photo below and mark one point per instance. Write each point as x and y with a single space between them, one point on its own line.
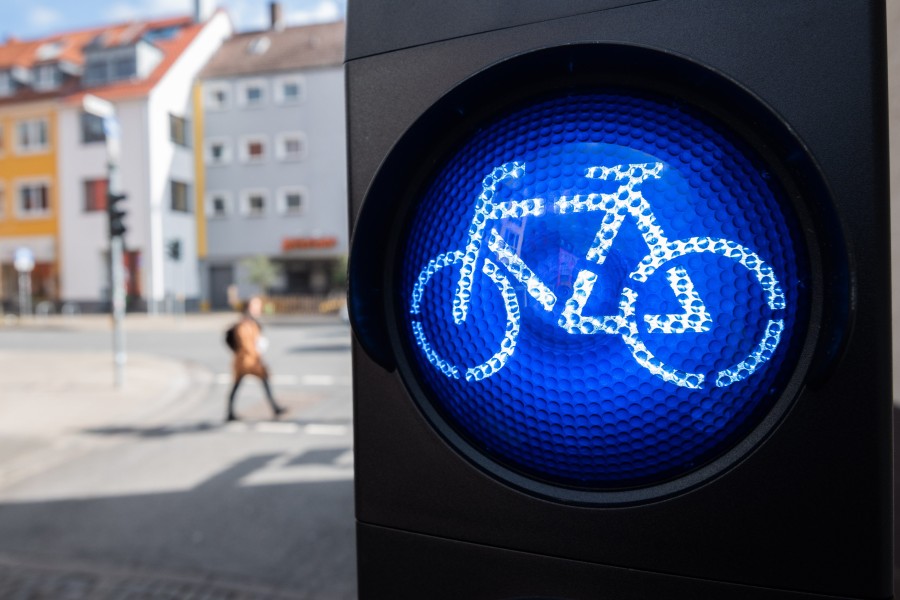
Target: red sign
308 243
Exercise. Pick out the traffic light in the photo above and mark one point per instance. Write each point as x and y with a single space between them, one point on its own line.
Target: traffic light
619 287
173 249
116 214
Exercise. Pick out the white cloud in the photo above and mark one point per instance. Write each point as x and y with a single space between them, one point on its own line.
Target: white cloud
43 17
322 12
247 15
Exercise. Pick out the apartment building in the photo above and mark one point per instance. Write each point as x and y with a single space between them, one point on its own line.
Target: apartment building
274 151
53 162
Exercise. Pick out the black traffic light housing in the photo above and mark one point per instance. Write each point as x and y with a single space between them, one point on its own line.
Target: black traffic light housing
173 249
807 511
116 214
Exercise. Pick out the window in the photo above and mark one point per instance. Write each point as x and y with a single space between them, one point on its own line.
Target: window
253 149
95 72
291 201
253 202
218 151
178 130
124 68
95 194
259 45
289 89
31 135
6 84
218 204
252 93
91 129
291 146
33 199
218 96
181 201
47 77
162 33
50 50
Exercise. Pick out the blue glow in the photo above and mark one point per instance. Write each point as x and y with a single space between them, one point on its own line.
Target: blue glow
603 290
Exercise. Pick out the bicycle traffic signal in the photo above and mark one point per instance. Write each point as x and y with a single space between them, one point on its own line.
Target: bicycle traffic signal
116 214
620 299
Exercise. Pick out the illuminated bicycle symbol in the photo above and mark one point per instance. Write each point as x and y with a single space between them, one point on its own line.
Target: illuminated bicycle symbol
627 200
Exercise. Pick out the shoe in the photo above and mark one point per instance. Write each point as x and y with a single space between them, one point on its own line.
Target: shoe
230 418
279 410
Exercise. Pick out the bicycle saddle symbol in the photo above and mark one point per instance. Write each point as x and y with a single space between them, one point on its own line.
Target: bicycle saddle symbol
501 263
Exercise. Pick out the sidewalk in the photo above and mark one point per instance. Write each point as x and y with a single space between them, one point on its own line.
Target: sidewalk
216 321
47 399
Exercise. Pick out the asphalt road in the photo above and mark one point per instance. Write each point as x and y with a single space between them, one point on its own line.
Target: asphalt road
183 504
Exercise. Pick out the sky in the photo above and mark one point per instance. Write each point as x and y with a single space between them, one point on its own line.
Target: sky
37 18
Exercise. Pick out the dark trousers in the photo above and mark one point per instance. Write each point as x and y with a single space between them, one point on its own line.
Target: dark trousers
265 381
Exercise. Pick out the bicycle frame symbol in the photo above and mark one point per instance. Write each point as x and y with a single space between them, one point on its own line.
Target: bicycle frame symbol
626 201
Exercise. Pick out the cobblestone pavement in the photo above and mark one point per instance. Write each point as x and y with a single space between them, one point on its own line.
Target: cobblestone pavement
30 582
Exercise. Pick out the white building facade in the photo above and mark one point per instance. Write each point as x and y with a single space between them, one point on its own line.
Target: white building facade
156 112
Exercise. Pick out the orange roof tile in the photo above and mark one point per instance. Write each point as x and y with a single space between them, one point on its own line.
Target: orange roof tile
171 48
24 53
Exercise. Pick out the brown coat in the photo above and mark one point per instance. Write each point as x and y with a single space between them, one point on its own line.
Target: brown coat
247 359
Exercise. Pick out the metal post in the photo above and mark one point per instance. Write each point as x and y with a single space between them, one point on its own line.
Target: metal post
105 110
116 255
24 293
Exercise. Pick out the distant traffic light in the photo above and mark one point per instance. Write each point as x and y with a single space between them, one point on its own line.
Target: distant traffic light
116 214
173 249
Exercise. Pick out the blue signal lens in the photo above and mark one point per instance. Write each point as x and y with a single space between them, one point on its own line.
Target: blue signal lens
603 290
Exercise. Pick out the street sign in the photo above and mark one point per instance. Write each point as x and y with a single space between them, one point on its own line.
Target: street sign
23 260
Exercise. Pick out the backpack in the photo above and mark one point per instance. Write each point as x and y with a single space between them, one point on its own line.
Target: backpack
231 338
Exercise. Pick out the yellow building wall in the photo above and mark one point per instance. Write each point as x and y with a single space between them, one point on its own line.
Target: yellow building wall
199 172
16 167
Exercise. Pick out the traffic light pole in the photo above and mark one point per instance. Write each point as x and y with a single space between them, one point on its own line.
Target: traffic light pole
116 254
103 109
116 257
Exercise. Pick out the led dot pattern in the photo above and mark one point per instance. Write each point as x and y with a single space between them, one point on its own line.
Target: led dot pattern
603 290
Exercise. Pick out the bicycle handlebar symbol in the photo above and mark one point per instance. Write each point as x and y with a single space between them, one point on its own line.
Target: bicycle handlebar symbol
502 263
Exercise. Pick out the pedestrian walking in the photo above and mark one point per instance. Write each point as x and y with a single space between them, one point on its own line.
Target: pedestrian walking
248 344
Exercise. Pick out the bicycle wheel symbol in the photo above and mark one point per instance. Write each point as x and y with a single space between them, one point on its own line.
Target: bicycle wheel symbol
511 303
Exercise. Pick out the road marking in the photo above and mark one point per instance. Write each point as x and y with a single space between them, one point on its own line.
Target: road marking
288 427
281 471
305 380
325 429
294 475
275 427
